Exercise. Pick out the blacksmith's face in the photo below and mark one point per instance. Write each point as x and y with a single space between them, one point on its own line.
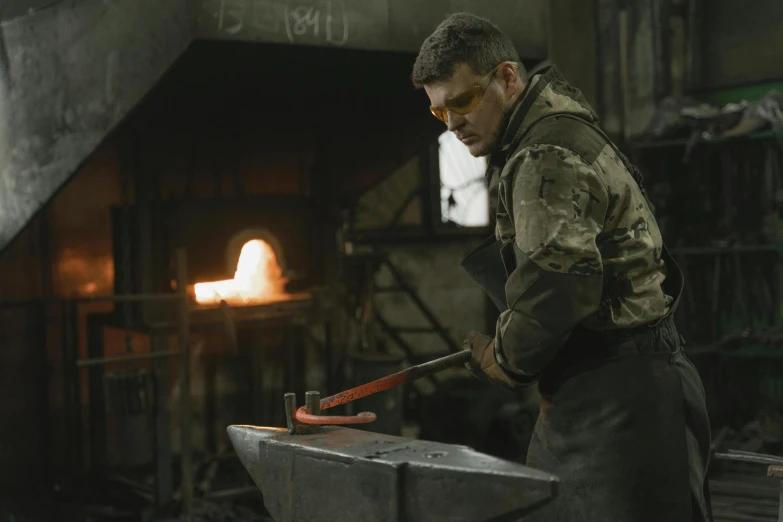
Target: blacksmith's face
480 129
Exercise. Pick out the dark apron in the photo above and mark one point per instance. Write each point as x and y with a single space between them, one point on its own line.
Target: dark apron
623 420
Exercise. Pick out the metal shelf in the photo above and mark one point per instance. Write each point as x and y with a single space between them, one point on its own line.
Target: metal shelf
736 249
681 142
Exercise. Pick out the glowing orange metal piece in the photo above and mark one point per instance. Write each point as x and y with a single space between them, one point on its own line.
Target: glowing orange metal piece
382 384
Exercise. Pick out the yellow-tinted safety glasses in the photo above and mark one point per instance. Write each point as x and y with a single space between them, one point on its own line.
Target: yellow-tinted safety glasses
467 100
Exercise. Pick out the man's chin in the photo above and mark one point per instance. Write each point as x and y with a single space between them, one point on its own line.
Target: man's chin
478 149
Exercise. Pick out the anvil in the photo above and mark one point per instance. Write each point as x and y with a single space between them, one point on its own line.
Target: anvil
345 475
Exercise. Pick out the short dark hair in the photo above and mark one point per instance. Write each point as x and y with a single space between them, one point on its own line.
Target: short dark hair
462 38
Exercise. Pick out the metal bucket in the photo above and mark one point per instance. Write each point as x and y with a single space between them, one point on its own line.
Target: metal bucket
129 398
128 392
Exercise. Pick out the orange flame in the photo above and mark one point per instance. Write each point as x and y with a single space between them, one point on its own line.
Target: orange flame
258 278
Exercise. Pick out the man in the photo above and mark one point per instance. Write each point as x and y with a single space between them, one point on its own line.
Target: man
587 286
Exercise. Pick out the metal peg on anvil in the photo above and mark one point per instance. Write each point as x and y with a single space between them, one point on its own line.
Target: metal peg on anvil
312 403
306 419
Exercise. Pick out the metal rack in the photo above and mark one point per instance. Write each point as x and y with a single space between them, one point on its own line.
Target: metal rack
716 201
71 364
296 310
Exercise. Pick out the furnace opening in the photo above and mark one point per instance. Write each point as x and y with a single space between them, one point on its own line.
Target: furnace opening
258 278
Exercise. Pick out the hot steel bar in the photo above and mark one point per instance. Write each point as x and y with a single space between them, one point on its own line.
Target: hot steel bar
397 379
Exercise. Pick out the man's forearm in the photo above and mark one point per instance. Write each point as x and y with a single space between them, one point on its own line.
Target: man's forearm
544 308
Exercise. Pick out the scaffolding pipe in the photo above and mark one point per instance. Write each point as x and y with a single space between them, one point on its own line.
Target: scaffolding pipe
184 379
117 298
97 361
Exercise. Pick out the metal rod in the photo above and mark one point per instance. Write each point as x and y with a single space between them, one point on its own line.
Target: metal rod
290 411
164 471
756 455
81 363
328 355
230 493
43 383
755 459
129 298
397 379
414 329
693 251
184 379
70 429
313 402
94 298
753 454
780 503
75 381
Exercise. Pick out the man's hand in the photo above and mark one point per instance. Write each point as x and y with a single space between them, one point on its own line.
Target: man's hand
482 361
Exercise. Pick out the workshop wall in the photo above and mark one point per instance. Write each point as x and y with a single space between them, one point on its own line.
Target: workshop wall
69 73
24 377
572 25
742 42
401 25
65 251
74 234
434 270
256 129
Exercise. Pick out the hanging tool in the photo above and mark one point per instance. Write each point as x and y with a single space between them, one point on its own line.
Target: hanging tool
310 413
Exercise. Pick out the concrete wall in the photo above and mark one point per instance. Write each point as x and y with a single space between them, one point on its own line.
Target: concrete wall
68 74
573 44
396 201
393 25
618 54
434 270
742 42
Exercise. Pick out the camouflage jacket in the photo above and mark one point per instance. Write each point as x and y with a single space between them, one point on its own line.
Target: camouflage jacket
579 241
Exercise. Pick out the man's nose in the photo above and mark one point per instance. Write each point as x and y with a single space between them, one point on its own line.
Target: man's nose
455 121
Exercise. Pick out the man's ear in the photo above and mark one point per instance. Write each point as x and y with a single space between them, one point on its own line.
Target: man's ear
511 79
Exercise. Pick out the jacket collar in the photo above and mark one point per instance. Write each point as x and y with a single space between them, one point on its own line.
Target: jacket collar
517 122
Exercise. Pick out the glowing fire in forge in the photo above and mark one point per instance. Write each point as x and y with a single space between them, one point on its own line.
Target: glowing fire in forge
258 279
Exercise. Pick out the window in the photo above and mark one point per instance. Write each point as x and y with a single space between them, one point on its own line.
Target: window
464 199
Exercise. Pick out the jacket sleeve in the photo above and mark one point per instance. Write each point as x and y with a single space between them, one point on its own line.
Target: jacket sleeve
559 205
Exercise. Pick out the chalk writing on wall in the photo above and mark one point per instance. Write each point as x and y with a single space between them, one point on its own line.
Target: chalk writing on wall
302 21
